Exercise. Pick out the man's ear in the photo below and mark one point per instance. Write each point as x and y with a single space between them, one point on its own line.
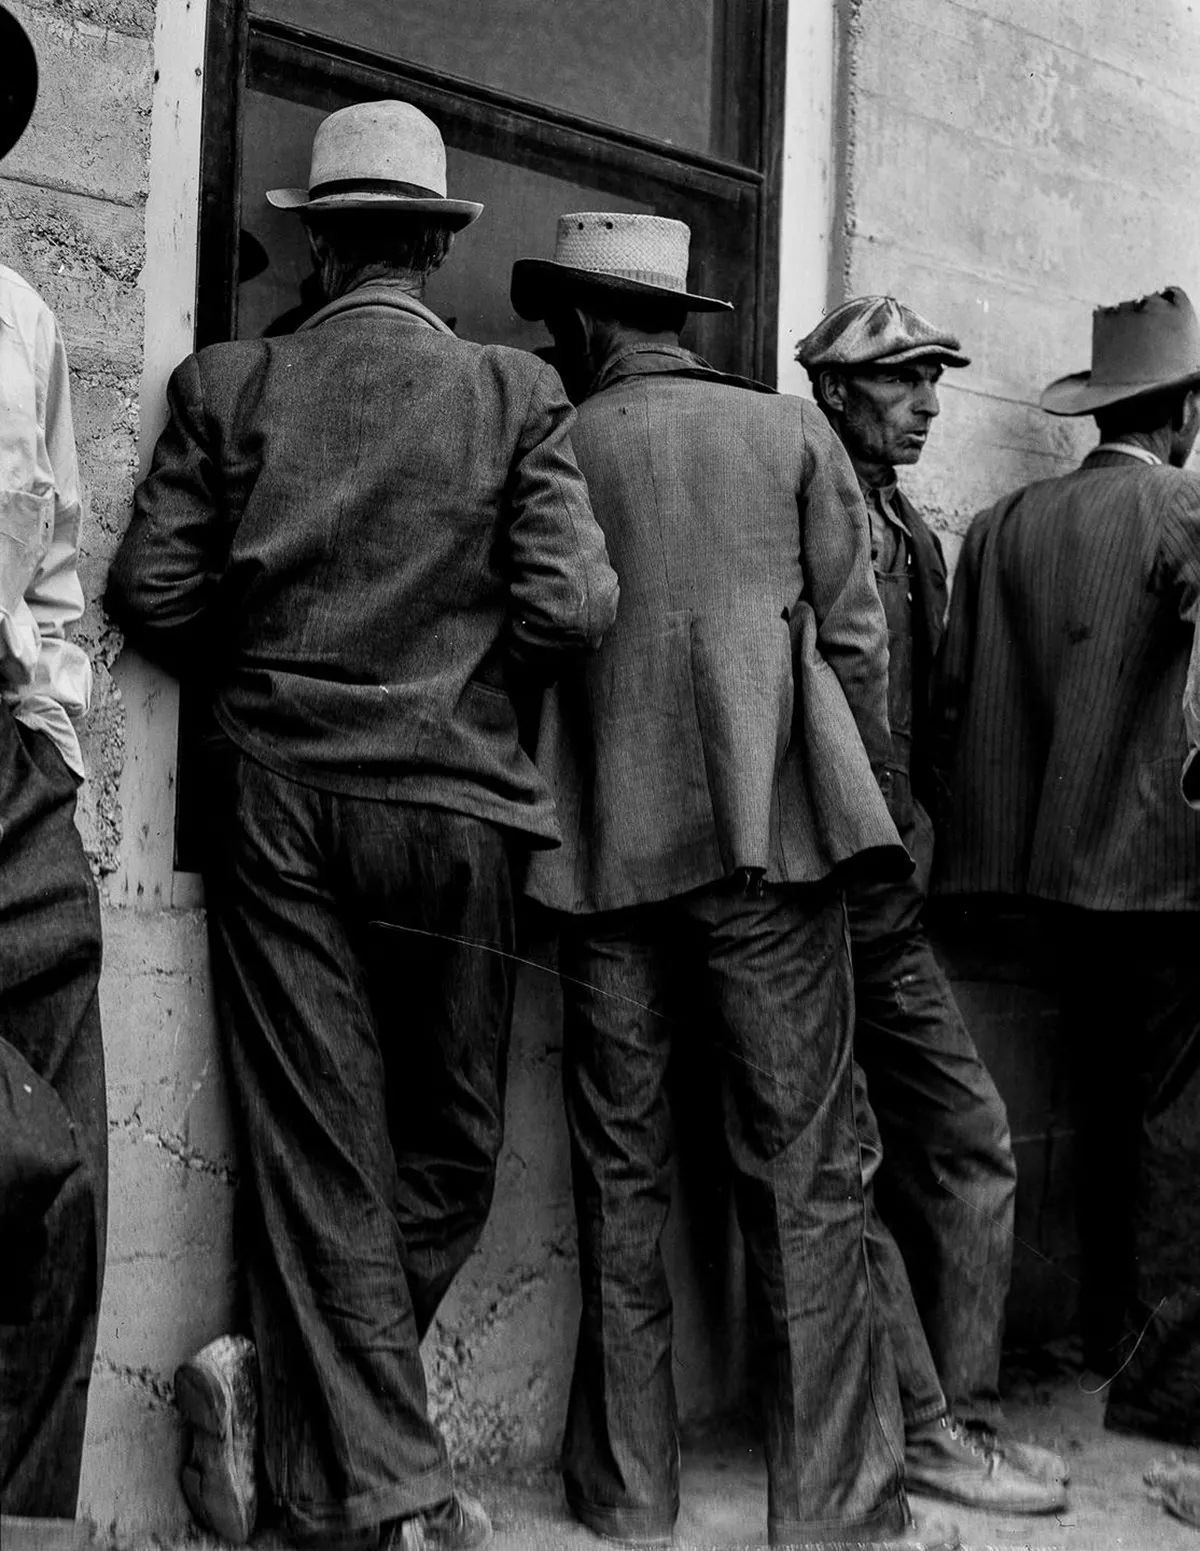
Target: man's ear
831 391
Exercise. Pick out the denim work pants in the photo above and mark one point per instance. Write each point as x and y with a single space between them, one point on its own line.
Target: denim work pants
367 1071
947 1184
775 975
53 1128
1130 992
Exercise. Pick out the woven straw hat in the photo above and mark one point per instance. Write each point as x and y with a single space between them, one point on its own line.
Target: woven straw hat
876 331
18 80
378 156
1138 348
604 251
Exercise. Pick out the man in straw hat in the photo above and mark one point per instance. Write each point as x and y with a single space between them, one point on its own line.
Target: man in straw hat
53 1123
948 1178
713 771
364 539
1064 669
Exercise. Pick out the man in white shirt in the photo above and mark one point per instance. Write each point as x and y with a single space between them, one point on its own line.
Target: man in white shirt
53 1149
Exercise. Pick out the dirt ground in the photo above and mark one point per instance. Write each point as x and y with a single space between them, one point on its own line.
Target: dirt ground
724 1490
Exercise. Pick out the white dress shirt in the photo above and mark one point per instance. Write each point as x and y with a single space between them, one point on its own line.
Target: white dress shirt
44 678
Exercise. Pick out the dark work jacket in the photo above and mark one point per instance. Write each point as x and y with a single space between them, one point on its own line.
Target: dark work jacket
732 717
930 595
357 534
1062 683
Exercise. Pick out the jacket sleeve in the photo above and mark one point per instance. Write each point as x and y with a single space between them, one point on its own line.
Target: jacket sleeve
165 572
835 553
1177 570
563 591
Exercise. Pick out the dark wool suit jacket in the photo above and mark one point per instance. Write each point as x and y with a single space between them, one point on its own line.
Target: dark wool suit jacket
1062 686
357 533
733 714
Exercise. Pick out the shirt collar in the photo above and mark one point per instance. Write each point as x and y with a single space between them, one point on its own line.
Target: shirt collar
1130 450
378 293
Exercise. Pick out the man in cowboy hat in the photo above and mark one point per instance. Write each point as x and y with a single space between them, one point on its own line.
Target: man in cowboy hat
947 1182
364 538
53 1124
1063 674
713 771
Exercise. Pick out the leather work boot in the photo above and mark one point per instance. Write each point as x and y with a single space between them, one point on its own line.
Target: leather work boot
460 1523
1029 1458
217 1393
943 1459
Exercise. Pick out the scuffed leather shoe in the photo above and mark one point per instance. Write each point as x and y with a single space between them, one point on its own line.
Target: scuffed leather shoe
217 1393
1029 1458
460 1523
943 1459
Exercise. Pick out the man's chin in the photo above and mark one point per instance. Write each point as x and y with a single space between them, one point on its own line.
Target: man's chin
909 453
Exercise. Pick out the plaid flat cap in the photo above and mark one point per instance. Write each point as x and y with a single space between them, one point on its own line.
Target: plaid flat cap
876 331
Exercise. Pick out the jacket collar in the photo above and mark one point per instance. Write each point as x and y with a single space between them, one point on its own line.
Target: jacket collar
671 360
378 293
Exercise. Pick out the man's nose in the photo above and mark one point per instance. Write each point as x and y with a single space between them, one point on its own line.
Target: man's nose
925 401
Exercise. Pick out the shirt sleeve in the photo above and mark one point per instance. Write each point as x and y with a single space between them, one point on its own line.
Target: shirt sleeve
563 591
165 573
835 553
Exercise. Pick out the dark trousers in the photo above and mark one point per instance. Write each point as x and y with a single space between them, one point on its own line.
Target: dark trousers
1130 989
947 1184
53 1128
365 989
774 977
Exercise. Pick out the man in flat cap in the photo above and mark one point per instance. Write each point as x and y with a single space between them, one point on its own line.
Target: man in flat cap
53 1121
713 771
946 1186
1065 664
364 538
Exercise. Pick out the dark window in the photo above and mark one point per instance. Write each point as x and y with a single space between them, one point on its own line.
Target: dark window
673 107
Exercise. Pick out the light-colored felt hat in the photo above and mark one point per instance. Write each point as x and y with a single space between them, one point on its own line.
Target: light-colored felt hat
378 156
599 251
18 80
1138 348
876 331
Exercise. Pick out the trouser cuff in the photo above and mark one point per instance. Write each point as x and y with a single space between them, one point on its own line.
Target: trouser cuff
624 1523
316 1522
829 1535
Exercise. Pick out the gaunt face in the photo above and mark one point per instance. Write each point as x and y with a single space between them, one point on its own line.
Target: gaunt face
884 414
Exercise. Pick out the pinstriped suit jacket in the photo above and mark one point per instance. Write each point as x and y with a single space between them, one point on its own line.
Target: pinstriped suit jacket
727 720
1061 685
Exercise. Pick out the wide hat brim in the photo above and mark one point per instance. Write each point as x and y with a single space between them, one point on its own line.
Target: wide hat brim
456 213
537 283
18 81
1076 394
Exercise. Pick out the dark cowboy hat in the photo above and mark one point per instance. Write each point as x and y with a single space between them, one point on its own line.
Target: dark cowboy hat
18 80
1138 348
603 251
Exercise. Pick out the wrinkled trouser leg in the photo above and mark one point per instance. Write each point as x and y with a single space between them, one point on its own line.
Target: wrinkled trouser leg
921 1397
53 1129
366 1064
775 974
947 1186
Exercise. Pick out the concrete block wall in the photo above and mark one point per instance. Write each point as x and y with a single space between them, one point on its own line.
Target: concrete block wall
1009 165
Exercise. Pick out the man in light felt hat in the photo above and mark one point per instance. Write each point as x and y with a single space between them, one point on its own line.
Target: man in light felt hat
53 1121
363 540
947 1181
712 767
1063 675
